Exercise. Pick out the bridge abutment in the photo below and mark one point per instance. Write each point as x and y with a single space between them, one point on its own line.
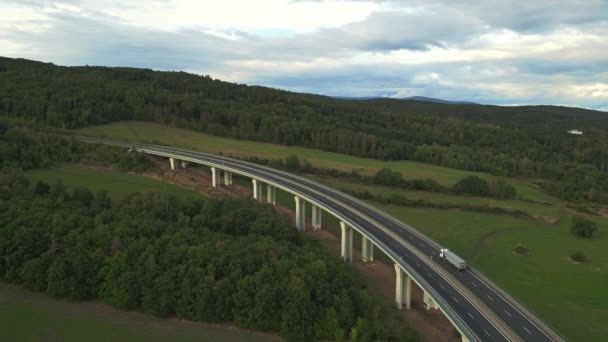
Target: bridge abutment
172 162
347 242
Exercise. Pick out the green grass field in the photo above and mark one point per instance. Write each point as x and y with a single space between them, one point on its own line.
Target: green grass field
533 208
569 296
27 316
118 184
155 133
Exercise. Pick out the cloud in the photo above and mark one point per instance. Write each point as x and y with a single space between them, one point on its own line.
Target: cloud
485 51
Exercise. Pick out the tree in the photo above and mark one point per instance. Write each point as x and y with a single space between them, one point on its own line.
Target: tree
582 227
578 257
388 177
501 189
41 188
82 195
292 163
472 185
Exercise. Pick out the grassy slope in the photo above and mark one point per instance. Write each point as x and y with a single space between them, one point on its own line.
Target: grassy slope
118 184
151 132
530 207
27 316
571 297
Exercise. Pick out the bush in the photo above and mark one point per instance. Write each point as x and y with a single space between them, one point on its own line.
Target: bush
292 163
472 185
582 227
578 257
388 177
520 249
502 190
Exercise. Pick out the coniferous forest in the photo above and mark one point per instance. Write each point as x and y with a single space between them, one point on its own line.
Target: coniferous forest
527 141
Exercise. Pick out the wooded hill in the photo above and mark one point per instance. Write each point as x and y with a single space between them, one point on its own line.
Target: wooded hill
529 141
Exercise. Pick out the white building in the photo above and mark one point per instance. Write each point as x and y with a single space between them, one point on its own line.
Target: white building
575 132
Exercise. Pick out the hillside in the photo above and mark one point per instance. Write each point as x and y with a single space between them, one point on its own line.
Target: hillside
525 141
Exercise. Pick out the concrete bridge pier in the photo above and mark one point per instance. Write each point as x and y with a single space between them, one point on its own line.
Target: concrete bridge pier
403 288
215 177
429 303
172 162
184 164
300 213
227 177
271 194
257 189
316 217
347 242
367 249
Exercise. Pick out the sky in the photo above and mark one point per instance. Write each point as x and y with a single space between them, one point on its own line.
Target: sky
494 52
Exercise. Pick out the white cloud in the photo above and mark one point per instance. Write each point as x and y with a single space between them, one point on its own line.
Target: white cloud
534 52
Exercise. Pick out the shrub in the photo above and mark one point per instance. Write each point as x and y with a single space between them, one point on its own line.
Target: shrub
503 190
582 227
388 177
292 163
520 249
472 185
578 257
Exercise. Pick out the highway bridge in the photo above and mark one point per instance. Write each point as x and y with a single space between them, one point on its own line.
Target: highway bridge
477 308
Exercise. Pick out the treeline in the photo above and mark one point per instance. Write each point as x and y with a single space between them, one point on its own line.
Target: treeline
517 141
25 149
402 200
214 261
471 185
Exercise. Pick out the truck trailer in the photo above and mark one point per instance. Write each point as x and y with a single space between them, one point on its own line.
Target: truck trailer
453 259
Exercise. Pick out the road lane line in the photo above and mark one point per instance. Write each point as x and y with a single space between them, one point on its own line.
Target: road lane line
492 299
507 313
487 333
471 315
456 300
528 331
473 283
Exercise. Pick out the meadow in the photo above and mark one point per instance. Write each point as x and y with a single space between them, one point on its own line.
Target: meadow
156 133
28 316
118 184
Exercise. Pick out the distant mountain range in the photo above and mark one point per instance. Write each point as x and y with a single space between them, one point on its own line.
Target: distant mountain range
434 100
412 98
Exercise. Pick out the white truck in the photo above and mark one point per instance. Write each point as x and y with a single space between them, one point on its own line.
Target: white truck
453 259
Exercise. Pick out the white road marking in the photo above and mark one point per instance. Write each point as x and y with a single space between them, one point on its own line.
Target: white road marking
442 286
487 333
492 299
507 312
417 264
456 300
528 331
473 283
429 274
471 315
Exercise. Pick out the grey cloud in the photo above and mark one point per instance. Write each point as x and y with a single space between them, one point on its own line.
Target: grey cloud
97 39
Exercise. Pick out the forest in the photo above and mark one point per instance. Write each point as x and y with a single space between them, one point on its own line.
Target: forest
527 141
221 261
